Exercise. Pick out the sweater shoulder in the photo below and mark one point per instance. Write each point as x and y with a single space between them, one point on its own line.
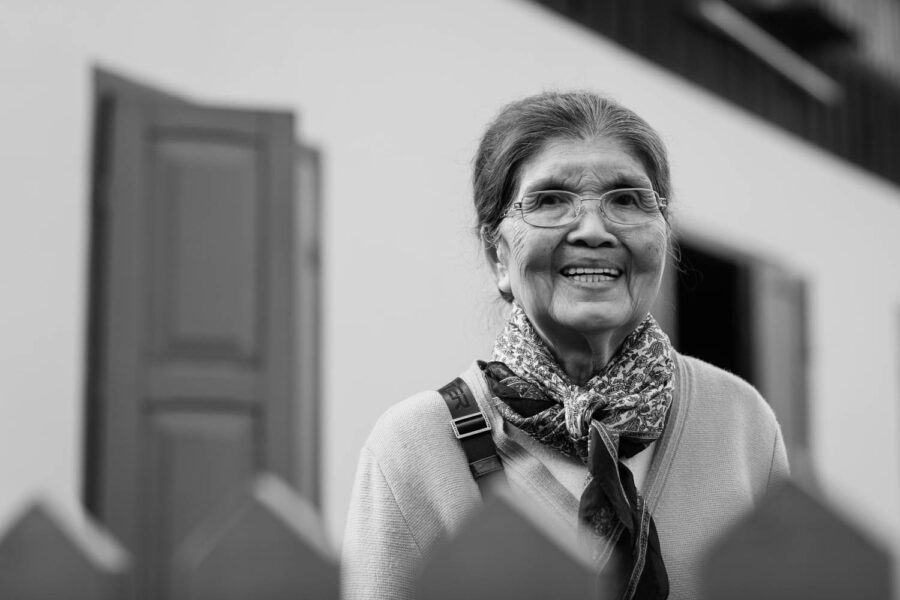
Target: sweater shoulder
414 416
414 431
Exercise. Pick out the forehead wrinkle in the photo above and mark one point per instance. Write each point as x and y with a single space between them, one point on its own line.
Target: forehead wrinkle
588 178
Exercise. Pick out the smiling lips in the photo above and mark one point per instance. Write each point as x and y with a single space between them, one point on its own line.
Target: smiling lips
591 274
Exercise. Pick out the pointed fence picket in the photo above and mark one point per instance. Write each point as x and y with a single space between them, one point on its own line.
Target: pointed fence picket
271 545
507 550
794 546
47 555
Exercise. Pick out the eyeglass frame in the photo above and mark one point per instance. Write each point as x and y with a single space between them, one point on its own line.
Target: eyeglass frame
661 204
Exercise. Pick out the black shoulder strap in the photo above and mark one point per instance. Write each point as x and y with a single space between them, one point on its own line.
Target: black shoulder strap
473 430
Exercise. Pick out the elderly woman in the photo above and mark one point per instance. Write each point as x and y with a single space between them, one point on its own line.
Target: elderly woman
595 417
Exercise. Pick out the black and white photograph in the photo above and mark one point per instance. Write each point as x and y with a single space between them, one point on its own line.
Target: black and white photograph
482 299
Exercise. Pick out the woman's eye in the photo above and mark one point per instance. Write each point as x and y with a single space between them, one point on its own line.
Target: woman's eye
534 202
547 200
625 199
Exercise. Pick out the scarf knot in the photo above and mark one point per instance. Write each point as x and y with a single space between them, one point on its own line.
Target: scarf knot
577 403
616 414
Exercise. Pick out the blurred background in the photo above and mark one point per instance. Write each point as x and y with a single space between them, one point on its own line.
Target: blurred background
234 233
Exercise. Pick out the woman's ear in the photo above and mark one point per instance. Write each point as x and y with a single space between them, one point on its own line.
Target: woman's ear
497 254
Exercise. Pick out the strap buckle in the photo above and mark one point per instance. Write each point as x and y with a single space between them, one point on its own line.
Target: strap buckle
469 425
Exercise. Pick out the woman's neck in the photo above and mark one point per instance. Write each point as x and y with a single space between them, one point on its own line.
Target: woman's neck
580 368
583 356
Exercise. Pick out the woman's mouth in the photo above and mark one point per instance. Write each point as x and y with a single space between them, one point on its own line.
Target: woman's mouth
591 274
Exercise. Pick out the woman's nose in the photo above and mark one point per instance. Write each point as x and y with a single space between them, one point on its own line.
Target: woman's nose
591 227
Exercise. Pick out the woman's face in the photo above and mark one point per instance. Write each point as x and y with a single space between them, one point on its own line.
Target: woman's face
538 265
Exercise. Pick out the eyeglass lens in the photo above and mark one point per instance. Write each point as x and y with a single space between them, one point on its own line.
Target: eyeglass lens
553 208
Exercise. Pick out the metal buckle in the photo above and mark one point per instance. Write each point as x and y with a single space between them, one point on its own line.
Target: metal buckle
476 419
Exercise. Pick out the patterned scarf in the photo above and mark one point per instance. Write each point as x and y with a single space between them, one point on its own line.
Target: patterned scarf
616 414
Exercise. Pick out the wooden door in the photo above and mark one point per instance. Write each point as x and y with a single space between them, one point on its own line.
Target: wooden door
192 323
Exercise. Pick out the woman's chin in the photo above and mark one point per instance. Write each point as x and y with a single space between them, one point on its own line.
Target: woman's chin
595 319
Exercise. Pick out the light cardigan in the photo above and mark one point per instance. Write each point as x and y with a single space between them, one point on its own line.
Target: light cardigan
721 450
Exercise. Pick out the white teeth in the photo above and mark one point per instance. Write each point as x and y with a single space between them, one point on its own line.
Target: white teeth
609 272
591 274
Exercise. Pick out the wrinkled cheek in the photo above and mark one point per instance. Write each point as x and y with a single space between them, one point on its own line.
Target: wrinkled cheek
648 262
649 253
517 246
654 256
520 250
531 258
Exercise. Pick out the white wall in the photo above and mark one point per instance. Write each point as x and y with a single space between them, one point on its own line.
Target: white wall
396 94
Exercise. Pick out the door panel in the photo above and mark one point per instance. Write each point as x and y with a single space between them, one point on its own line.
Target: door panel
194 457
206 245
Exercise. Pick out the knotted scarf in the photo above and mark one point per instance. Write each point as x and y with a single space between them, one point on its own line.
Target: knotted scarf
616 414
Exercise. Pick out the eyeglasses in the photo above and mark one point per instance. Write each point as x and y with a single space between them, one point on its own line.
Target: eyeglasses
555 208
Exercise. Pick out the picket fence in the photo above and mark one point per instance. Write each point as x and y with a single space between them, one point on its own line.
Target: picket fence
271 545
